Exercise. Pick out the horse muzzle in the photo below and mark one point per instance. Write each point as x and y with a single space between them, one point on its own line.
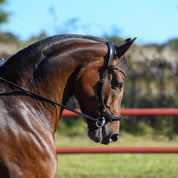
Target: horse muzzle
103 135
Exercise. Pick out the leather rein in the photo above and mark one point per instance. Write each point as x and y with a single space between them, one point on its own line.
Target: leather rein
104 115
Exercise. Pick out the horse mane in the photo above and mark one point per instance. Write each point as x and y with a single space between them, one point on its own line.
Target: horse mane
39 45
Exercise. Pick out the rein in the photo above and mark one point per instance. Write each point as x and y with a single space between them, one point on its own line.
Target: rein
100 121
47 99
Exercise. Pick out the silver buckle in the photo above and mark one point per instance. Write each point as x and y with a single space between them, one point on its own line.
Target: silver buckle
100 122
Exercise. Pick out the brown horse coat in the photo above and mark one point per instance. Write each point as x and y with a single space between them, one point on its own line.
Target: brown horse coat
54 68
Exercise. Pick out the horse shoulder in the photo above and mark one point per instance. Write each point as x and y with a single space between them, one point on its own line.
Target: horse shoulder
25 148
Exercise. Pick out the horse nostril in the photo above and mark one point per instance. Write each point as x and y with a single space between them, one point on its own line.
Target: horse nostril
114 137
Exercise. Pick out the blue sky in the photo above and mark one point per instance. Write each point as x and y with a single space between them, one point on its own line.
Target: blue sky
151 21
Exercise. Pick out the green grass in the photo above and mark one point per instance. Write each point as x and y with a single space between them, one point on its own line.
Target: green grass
117 165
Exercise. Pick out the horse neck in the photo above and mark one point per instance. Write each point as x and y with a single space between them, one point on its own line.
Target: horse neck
56 74
20 67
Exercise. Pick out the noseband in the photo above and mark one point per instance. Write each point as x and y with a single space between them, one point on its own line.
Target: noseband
104 115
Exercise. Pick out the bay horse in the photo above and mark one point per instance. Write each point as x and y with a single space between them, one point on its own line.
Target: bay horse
35 85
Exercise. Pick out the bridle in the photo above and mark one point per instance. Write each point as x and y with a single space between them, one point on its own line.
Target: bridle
104 115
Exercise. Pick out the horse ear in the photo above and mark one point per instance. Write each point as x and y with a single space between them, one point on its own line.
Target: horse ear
123 48
123 63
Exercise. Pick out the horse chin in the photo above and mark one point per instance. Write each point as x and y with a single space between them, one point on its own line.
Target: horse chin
99 135
94 135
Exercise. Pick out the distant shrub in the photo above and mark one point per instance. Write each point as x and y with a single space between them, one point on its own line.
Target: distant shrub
158 47
173 44
9 38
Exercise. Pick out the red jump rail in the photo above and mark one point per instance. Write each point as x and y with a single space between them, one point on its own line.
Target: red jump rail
124 112
136 112
98 150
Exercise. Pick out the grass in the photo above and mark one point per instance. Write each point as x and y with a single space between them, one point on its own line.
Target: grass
117 165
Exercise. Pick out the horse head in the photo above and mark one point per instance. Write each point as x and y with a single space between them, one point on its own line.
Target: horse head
90 68
99 87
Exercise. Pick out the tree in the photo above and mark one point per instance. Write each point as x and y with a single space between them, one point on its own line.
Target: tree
4 16
6 37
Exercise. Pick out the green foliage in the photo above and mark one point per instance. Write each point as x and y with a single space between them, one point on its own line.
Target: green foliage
114 39
35 38
72 127
9 38
158 47
173 44
6 37
4 16
151 85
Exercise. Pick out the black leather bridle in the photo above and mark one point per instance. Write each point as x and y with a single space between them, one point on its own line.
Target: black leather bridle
101 120
104 115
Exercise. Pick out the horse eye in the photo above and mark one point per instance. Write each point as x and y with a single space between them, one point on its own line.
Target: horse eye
119 85
116 84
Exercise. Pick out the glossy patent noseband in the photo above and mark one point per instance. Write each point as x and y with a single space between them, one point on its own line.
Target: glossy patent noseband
104 115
